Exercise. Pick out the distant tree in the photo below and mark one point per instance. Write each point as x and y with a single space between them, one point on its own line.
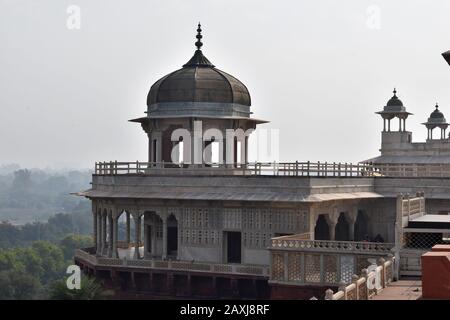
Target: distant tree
72 242
9 261
22 180
9 235
6 169
52 257
18 285
90 289
33 232
6 288
55 184
61 223
31 261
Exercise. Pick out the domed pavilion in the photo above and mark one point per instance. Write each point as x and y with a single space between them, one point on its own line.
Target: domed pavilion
206 104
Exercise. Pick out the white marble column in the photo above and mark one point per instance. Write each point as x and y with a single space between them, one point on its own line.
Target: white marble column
146 238
95 231
332 226
351 219
332 219
313 216
99 234
128 229
115 232
229 144
137 236
110 236
164 245
104 248
246 151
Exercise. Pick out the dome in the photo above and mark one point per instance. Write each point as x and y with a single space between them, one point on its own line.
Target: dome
446 56
436 116
198 81
394 104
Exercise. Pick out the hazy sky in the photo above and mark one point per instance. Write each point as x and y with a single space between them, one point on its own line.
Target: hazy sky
318 70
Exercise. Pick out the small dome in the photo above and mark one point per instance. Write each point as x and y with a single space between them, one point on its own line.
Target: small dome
446 56
199 81
394 103
436 116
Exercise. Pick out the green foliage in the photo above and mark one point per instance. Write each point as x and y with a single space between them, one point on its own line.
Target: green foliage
52 260
15 284
72 242
34 256
9 235
31 261
90 289
26 272
57 227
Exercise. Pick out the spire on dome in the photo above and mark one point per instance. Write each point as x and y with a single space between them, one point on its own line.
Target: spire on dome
199 37
198 59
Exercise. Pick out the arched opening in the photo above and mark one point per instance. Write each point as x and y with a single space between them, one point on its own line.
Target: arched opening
215 152
153 239
342 229
172 236
104 233
124 228
238 152
167 145
361 227
211 152
180 146
321 231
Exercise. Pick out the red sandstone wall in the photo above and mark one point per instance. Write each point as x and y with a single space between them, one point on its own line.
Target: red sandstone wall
436 273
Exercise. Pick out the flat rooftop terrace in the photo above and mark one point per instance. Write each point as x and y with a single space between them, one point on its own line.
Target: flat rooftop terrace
308 169
431 221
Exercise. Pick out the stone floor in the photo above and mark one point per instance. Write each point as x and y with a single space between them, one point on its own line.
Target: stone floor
401 290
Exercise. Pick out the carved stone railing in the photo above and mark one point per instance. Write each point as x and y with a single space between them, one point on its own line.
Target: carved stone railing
410 206
297 261
255 270
330 246
308 169
367 285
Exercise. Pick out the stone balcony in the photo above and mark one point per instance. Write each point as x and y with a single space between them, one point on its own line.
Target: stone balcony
297 261
85 256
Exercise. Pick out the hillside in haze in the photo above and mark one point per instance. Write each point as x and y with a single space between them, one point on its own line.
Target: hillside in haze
28 195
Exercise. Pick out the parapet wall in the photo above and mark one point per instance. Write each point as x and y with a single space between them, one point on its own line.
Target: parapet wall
436 273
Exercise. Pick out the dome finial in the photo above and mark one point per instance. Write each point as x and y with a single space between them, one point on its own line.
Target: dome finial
199 37
395 92
437 107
